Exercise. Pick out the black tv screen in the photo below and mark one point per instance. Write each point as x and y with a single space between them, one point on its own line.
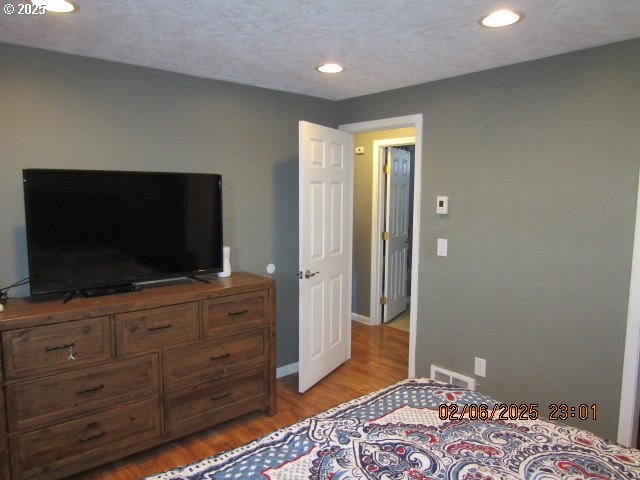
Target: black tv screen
89 229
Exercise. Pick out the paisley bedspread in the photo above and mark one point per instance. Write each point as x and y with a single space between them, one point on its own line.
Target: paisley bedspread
397 434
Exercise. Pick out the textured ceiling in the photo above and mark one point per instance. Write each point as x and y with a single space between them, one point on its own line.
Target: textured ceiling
385 44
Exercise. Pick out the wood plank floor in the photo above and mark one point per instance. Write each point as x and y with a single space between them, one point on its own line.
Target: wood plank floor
379 358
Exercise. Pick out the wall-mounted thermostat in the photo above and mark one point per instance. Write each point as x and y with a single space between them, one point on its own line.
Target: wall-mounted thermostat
442 205
359 150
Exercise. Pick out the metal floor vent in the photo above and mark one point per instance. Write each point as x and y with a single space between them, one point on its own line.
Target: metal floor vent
457 379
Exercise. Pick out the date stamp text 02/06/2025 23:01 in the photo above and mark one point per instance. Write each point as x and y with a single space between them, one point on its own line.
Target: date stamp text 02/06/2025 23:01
514 411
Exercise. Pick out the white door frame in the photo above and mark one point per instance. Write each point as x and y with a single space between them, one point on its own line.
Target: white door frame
630 392
386 124
377 215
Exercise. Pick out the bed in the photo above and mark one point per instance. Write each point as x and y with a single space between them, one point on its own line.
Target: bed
410 431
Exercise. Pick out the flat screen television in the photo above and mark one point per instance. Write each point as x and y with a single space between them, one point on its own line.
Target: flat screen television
89 230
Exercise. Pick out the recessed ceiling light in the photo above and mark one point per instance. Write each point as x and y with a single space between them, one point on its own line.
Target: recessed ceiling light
330 68
500 18
61 6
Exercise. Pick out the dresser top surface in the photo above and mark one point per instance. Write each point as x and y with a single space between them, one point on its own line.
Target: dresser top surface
27 311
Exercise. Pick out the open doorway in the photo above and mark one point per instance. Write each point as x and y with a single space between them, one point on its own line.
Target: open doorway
409 130
382 218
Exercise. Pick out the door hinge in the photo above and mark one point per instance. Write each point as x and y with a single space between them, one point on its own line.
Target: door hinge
383 300
385 235
387 168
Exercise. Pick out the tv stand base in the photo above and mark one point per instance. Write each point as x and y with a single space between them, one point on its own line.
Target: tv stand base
198 279
98 292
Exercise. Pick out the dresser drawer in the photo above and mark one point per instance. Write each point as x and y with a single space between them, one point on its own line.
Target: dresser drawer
61 447
68 395
193 408
61 346
215 358
156 328
235 313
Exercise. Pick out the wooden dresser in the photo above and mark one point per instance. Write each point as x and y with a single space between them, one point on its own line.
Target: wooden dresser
93 380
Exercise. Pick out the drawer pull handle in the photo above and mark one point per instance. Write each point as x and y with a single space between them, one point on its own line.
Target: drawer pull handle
220 357
90 389
159 327
241 312
59 347
92 437
220 397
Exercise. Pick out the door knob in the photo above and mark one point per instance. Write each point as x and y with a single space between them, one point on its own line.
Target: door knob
309 274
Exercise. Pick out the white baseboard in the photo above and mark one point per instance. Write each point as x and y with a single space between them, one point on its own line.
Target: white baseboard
287 370
361 318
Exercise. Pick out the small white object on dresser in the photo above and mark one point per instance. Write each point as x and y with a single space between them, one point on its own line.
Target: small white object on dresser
226 264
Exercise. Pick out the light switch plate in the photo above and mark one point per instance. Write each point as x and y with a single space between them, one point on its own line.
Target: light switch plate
442 247
480 367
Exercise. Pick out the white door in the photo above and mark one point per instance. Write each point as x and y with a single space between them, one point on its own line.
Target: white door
397 224
325 202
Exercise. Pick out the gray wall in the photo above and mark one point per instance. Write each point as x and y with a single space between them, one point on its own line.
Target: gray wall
540 161
61 111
